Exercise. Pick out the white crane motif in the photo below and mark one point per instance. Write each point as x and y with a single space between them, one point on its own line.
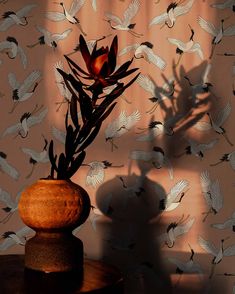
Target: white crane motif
175 230
125 24
64 91
216 122
212 193
198 149
11 18
23 91
133 191
58 134
90 44
27 121
144 50
158 94
158 128
188 47
173 198
68 14
227 157
173 11
12 49
204 86
96 173
156 157
218 253
48 38
187 267
120 126
11 205
228 224
7 168
223 5
36 157
217 32
15 238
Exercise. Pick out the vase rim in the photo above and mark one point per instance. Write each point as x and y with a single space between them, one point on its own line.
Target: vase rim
44 180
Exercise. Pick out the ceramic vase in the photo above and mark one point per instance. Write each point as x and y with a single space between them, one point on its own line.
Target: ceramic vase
54 208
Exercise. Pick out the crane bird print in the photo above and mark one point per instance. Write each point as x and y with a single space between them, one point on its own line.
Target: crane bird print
90 44
68 14
216 122
174 197
158 128
204 86
216 32
96 172
125 24
212 193
167 147
120 126
188 267
188 47
12 238
197 149
12 49
59 135
11 205
227 157
217 252
145 50
228 224
156 158
64 91
132 191
27 121
158 93
23 91
226 4
50 39
173 11
174 230
36 157
7 168
11 18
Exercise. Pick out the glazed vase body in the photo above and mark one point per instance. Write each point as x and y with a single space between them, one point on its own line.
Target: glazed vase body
53 208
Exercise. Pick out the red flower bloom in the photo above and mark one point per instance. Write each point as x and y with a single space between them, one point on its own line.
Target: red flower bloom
101 64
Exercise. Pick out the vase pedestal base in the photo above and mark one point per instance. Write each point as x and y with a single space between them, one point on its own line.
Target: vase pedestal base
54 252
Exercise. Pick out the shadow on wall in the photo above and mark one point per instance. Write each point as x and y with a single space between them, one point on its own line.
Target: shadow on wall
129 241
132 241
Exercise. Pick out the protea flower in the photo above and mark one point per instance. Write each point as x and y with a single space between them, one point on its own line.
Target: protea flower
100 64
81 132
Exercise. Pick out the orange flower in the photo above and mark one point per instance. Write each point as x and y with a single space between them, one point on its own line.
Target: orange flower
101 64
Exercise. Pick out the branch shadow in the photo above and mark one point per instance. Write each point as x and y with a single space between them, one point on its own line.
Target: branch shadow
132 201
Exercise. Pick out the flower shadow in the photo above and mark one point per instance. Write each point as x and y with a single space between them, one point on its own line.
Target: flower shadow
133 201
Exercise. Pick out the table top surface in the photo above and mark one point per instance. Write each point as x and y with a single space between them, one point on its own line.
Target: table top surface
97 277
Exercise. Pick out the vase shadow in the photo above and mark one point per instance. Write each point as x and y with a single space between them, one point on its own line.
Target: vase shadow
130 243
132 202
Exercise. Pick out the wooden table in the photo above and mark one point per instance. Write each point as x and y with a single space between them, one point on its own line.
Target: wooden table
97 278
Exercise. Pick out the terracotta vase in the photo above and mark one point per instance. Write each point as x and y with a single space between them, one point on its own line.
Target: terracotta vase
53 208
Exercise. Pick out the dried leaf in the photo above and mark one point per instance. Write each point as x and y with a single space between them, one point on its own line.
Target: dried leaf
74 111
62 167
91 137
76 164
51 155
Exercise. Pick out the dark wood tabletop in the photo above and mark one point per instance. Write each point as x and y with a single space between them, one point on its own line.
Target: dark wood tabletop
97 277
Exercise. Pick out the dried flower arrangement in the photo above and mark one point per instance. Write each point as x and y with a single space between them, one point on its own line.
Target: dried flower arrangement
95 106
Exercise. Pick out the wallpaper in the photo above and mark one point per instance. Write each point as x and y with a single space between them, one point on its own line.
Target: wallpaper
160 174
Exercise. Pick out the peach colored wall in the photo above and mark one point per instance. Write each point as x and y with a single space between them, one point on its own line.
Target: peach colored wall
134 220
